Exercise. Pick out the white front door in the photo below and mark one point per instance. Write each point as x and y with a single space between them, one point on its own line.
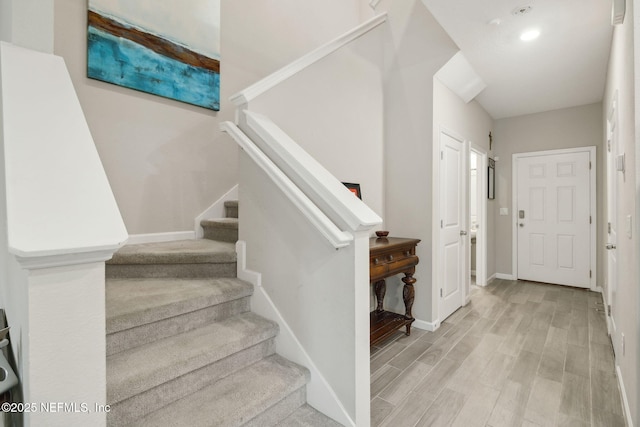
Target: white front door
554 219
453 236
612 225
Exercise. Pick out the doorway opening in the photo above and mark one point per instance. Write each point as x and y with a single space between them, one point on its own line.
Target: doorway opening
477 215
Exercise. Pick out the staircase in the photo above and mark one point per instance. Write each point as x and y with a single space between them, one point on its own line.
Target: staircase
183 347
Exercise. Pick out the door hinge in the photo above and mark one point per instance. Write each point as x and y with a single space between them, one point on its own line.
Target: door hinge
609 310
440 292
590 273
589 219
441 224
442 155
608 228
589 165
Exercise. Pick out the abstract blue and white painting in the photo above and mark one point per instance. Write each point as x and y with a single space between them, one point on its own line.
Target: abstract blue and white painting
169 48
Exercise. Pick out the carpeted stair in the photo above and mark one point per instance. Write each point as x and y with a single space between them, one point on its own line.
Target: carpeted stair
183 347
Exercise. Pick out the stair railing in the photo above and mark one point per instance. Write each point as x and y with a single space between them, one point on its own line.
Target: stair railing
316 183
319 294
326 227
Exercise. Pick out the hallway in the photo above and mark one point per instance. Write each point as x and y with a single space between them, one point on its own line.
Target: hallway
519 354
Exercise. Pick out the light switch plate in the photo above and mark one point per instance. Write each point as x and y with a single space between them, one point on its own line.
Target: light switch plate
504 211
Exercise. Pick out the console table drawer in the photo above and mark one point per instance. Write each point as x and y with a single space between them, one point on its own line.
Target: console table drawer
402 264
377 271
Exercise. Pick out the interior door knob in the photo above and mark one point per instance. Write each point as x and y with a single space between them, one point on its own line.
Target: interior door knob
610 246
463 233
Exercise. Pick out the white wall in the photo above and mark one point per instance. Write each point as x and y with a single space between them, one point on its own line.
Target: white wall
471 122
166 161
566 128
416 47
333 110
314 286
620 78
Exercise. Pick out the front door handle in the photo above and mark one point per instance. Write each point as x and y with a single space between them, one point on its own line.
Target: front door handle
610 246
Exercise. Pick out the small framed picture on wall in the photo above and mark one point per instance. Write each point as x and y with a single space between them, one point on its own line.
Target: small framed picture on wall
354 188
492 179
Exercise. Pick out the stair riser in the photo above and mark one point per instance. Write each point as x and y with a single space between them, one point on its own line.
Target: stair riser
231 210
125 412
180 271
140 335
278 412
222 234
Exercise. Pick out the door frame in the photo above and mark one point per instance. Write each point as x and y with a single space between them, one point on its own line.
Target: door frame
481 234
592 206
612 149
436 273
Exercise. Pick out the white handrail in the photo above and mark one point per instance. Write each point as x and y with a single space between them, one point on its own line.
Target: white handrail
326 191
322 223
59 205
245 96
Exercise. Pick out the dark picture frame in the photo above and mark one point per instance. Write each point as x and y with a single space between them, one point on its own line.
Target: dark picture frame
491 180
354 188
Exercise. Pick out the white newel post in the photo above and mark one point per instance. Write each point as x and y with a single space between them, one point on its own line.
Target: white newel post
363 367
63 346
59 223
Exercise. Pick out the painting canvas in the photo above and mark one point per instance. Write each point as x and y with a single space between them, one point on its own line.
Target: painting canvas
169 48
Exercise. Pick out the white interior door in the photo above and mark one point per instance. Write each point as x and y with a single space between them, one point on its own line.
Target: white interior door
453 234
612 224
554 219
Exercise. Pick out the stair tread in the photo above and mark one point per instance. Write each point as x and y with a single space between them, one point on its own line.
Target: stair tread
135 370
135 302
220 222
236 399
176 252
308 416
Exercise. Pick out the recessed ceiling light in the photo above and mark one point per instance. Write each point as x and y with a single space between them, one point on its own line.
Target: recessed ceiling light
521 10
529 35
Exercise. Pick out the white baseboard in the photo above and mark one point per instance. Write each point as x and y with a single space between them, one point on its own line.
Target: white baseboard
426 326
491 278
320 395
606 305
216 210
135 239
504 276
625 401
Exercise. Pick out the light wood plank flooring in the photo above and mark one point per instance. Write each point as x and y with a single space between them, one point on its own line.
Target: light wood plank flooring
519 354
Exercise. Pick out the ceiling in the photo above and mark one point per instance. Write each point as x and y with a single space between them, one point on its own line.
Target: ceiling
565 66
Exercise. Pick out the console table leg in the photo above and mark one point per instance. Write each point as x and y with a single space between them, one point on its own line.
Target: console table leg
408 295
380 288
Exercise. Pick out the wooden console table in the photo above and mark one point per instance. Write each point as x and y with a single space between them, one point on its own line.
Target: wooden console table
389 256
